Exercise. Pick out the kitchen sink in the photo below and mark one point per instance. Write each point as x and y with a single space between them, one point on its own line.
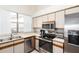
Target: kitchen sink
9 38
5 39
1 40
16 37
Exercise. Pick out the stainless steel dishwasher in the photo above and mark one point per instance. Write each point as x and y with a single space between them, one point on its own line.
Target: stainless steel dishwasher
28 47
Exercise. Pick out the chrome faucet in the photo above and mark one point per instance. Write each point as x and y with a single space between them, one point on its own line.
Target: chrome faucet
1 40
12 35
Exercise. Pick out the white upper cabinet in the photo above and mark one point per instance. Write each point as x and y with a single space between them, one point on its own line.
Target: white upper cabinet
51 17
39 22
60 19
72 10
34 22
45 18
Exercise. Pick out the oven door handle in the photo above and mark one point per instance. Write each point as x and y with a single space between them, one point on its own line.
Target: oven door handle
73 44
42 44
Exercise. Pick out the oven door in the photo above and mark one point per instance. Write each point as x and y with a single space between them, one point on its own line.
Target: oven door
45 47
73 39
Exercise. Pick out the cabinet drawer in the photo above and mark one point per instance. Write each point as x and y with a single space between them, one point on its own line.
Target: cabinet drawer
5 45
18 41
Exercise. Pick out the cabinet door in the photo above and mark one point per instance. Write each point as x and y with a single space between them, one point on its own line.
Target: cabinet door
6 47
72 10
60 19
39 22
7 50
33 42
45 18
51 17
19 46
34 22
37 44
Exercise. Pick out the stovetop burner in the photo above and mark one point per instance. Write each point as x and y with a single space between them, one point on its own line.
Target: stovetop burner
45 39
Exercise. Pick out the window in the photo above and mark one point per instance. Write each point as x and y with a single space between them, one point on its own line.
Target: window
13 20
20 23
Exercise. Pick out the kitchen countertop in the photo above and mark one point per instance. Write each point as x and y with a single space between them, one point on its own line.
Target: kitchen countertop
58 40
23 35
26 35
8 43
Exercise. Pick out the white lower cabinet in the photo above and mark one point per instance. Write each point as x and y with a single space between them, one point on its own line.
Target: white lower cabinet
19 48
57 49
6 47
7 50
16 46
37 44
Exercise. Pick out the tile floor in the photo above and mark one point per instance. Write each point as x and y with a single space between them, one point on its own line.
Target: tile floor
34 51
55 50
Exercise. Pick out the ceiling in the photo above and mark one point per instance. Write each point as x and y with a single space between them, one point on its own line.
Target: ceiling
25 9
33 9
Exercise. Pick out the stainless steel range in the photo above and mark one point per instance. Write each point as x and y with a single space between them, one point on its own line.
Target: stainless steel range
45 42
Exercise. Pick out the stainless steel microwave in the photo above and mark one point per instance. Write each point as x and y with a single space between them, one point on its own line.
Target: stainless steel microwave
48 25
